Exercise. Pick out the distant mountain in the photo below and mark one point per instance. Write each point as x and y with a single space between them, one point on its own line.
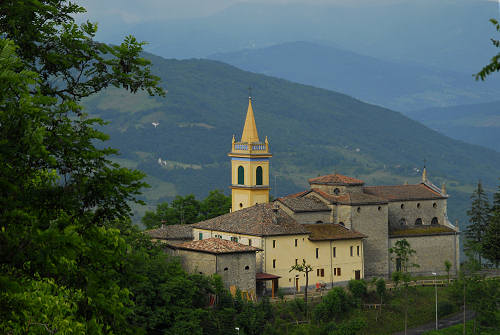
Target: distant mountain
448 34
477 124
399 86
311 131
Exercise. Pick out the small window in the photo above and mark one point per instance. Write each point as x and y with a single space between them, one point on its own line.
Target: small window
334 251
351 250
322 272
434 205
418 205
402 206
357 250
435 220
258 175
319 221
334 271
379 208
342 223
200 236
250 242
274 264
358 210
296 241
241 175
336 191
274 243
338 272
296 261
418 222
317 252
402 221
241 205
225 269
247 267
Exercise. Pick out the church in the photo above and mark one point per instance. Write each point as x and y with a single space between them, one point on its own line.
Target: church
341 227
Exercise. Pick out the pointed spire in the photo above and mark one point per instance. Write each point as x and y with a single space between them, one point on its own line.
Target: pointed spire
250 129
424 173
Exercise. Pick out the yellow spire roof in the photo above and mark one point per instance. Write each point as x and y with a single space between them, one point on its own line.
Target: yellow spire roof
250 129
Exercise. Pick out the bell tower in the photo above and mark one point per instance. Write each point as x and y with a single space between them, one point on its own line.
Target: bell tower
249 166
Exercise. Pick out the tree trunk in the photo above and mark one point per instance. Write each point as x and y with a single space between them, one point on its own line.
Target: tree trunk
305 293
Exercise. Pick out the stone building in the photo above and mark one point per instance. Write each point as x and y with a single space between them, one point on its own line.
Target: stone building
233 261
384 214
177 233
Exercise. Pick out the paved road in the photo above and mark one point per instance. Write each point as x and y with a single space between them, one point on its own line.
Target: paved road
443 323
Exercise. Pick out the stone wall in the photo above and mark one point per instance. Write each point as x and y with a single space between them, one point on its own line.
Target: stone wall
410 211
371 220
312 217
237 269
195 262
431 253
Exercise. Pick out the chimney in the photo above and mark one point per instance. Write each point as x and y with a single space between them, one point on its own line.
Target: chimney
443 189
276 207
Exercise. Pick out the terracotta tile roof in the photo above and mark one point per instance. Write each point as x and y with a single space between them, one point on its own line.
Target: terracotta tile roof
335 179
331 231
404 192
351 198
421 231
304 204
215 246
265 276
258 220
296 195
172 232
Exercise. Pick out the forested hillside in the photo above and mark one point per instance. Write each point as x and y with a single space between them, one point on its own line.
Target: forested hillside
311 131
402 86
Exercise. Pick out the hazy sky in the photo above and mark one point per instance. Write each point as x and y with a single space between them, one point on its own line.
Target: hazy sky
133 11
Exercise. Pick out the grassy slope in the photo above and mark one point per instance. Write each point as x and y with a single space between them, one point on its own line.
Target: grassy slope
311 131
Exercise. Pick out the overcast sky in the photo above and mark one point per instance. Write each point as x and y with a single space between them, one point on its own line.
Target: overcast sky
134 11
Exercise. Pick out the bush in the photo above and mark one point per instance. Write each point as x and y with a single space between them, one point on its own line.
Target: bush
358 289
445 308
335 304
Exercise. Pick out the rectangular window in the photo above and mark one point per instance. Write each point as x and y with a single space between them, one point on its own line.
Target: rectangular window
274 264
334 271
274 243
334 252
317 252
317 272
351 250
250 242
234 239
296 241
357 250
338 271
200 236
296 261
322 272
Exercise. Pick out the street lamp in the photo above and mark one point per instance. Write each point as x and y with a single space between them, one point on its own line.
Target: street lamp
436 291
238 329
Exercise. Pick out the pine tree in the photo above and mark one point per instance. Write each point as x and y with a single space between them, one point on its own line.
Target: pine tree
479 214
491 239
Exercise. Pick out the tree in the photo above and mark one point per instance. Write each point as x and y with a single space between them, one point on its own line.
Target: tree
381 291
215 204
447 267
479 214
303 268
403 251
491 238
494 65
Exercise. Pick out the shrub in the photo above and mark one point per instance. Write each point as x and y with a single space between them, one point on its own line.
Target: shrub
445 308
336 303
357 288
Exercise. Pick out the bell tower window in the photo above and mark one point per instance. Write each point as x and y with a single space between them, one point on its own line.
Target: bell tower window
241 175
258 175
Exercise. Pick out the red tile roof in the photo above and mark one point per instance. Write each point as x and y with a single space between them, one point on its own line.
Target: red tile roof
331 231
404 192
215 246
172 232
258 220
351 198
335 179
265 276
304 204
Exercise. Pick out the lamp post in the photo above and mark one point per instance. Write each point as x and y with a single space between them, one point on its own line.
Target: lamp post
238 329
436 291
